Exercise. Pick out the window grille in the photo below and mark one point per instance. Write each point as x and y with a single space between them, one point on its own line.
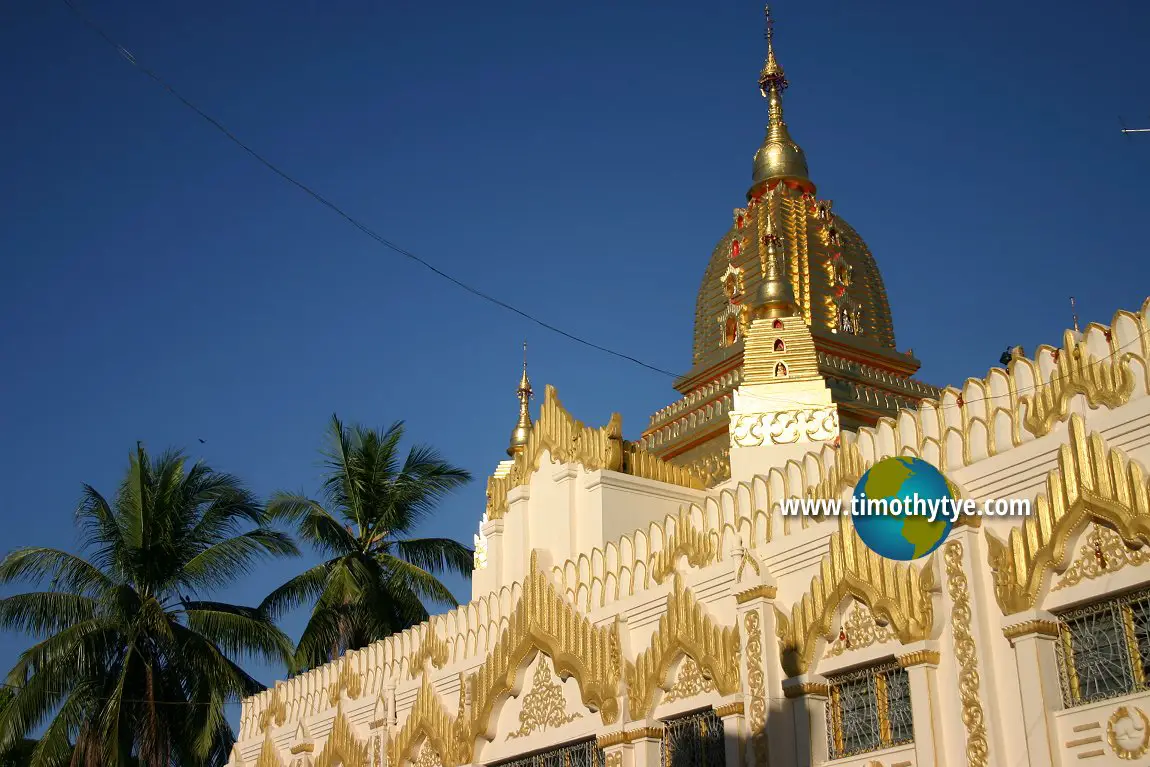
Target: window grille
868 709
584 754
1104 649
694 740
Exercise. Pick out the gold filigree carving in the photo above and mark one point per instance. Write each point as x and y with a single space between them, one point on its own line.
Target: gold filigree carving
700 548
689 683
859 630
1091 484
1108 382
1128 732
429 721
431 648
428 756
977 747
1102 553
545 706
685 628
752 624
898 594
342 748
543 621
569 440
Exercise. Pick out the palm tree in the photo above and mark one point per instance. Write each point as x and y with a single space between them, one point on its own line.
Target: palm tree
133 662
373 580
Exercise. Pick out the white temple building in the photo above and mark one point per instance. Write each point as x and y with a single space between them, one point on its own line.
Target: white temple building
645 604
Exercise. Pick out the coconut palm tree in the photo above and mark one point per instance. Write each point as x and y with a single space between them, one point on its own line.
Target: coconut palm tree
134 664
374 579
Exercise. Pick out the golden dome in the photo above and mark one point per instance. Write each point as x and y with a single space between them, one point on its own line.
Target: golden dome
830 270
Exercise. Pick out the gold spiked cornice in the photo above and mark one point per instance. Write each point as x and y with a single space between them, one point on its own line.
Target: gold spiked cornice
1093 483
897 594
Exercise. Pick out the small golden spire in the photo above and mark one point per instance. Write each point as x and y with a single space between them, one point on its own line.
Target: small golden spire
774 297
523 427
1074 313
779 157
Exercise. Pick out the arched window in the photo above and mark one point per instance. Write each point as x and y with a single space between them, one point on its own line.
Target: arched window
780 370
777 325
732 330
779 345
869 709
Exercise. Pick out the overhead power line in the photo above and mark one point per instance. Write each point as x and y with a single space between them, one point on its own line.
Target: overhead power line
131 59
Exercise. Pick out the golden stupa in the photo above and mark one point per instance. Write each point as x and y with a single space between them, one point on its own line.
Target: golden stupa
786 247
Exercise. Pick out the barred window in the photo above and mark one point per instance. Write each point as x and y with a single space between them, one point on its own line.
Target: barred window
868 709
584 754
1104 648
694 740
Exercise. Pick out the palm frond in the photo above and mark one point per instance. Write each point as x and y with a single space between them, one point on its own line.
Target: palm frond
436 554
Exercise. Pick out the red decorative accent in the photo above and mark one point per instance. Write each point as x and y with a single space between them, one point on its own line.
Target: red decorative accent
777 325
1055 355
735 244
739 221
839 291
844 638
1106 333
1100 555
960 401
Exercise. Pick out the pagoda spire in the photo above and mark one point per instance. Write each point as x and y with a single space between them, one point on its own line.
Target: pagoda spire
774 297
523 427
779 157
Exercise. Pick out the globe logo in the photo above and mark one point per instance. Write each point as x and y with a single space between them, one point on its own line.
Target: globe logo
903 508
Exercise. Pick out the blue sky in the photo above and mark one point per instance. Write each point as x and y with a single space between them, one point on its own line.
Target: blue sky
577 159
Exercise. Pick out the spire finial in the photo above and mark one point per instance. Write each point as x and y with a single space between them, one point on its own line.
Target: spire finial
1074 313
779 157
523 427
775 297
772 74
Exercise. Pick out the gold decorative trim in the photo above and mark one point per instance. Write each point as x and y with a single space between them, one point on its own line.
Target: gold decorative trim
1132 742
685 628
752 623
689 682
623 737
730 709
569 440
965 652
897 593
919 658
758 592
348 681
859 630
1093 483
342 747
1103 553
303 742
816 689
431 648
429 720
544 621
1027 628
428 756
276 711
1083 741
545 706
1108 382
700 548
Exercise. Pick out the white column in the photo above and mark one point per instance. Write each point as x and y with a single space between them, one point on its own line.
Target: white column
1033 639
808 698
768 730
734 732
922 672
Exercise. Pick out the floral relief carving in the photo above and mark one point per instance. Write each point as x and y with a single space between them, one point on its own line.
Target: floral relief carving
689 683
786 427
545 706
1102 553
859 630
428 756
